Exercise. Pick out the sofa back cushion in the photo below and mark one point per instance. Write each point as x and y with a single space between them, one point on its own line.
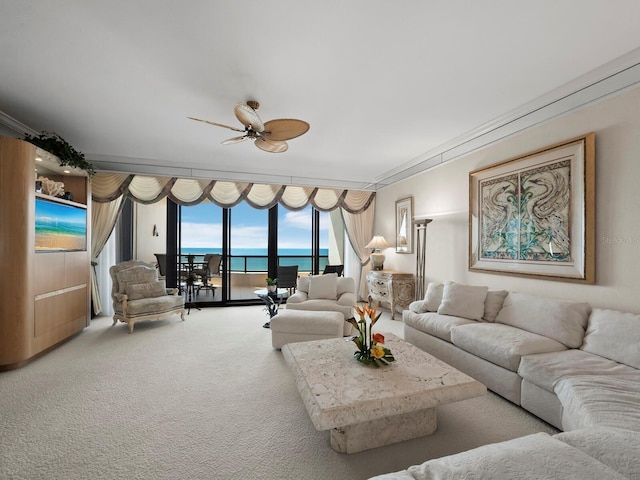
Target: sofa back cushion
346 285
559 320
323 287
136 274
614 335
464 301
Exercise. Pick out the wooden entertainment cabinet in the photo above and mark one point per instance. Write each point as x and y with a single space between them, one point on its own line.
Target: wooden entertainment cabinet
45 296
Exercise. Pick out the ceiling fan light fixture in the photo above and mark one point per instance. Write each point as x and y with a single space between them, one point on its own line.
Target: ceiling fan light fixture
269 136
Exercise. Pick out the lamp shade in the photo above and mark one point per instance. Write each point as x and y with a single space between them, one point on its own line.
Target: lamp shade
377 242
377 258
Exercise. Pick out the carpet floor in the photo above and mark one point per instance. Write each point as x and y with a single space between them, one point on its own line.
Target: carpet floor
208 398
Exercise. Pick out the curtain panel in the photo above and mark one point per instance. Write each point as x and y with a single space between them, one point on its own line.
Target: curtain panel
359 228
107 187
103 220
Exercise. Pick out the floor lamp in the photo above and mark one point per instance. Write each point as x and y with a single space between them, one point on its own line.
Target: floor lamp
421 254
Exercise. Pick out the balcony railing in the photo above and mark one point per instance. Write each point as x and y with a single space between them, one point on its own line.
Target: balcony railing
259 263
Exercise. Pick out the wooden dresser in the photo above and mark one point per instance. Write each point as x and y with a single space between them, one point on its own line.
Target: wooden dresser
398 289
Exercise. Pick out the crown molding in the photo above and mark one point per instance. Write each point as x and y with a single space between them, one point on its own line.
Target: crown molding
13 124
608 80
147 167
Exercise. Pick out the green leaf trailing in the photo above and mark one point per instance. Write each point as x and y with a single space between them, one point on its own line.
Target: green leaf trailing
58 146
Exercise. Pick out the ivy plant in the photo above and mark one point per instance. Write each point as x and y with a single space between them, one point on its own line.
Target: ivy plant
58 146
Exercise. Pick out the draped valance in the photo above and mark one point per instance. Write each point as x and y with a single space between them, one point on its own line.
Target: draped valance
107 187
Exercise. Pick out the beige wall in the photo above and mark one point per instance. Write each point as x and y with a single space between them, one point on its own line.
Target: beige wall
443 193
146 216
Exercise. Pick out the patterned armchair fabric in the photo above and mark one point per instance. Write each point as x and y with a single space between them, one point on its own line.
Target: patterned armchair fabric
138 295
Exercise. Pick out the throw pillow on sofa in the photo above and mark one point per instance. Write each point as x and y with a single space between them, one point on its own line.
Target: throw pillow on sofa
559 320
433 296
431 301
464 301
323 287
493 304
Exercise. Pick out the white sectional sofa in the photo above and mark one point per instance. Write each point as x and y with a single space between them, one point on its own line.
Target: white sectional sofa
574 366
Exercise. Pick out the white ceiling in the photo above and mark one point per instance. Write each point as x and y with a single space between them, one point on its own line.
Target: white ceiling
383 84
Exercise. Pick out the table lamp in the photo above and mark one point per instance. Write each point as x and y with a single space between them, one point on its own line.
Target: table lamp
377 258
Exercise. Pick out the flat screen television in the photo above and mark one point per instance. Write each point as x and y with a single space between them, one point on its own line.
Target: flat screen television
60 227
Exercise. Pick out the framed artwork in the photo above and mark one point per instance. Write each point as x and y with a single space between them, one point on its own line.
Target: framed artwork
534 215
404 225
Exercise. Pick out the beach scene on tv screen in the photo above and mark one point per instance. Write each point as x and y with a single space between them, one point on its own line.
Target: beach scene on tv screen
60 227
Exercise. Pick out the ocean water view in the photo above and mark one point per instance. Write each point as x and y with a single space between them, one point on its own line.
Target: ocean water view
255 259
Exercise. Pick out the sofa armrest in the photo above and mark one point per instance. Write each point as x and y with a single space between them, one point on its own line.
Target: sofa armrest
298 297
120 297
419 306
348 299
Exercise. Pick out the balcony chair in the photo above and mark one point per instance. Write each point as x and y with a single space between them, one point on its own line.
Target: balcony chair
326 293
288 277
161 258
338 269
211 268
138 295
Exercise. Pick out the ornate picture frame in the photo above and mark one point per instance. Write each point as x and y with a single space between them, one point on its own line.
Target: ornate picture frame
404 225
534 215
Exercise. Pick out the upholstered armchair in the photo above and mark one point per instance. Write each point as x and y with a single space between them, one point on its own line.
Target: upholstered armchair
326 293
138 295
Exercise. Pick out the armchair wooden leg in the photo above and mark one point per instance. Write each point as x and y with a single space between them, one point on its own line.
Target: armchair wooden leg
131 327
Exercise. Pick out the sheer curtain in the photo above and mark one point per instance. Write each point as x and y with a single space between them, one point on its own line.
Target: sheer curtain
359 228
106 258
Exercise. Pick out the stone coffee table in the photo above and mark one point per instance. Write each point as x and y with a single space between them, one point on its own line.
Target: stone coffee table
367 407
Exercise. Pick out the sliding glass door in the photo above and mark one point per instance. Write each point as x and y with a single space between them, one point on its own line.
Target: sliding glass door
251 244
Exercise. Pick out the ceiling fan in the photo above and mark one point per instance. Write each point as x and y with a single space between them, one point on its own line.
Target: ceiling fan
270 136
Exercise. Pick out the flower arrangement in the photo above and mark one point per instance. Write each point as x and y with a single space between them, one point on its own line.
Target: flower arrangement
371 349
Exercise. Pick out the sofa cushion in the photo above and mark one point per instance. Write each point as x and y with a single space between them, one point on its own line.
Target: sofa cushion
323 287
547 369
137 274
493 304
303 284
501 344
136 291
557 319
154 306
345 285
617 448
533 456
464 301
435 324
433 296
600 400
614 335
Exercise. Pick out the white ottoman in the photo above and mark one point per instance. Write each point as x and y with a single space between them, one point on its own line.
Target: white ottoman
290 326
